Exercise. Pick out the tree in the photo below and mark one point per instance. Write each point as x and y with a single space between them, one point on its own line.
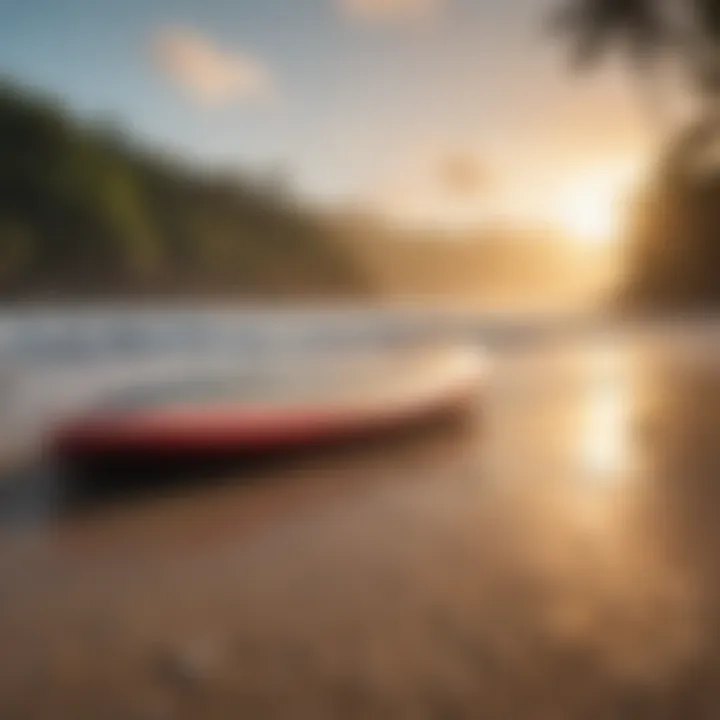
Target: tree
675 234
645 31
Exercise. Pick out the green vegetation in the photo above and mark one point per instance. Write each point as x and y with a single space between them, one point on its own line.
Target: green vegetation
82 213
675 238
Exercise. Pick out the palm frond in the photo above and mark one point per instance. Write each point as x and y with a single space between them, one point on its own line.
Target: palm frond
708 17
638 27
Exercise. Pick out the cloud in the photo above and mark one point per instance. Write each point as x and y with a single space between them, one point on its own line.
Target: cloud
390 11
462 174
212 75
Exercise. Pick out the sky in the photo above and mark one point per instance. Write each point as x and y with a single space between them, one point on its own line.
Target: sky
357 101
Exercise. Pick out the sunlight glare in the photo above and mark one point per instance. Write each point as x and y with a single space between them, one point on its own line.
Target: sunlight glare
605 441
587 213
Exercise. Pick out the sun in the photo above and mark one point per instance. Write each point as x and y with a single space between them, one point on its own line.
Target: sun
588 214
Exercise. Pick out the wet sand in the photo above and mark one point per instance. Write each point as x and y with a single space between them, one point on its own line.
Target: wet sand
558 559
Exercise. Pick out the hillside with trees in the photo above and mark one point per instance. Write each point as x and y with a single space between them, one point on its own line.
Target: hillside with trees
83 213
495 265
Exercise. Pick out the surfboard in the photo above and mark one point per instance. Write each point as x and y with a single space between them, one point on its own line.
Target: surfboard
272 407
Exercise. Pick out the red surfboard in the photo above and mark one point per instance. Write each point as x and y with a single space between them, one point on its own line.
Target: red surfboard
270 409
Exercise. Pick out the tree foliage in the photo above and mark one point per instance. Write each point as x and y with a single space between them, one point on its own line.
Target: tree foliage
637 27
675 236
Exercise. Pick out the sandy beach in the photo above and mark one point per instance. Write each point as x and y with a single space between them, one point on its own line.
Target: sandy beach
556 559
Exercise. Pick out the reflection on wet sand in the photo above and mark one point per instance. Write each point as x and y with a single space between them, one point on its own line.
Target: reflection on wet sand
557 562
593 531
605 441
